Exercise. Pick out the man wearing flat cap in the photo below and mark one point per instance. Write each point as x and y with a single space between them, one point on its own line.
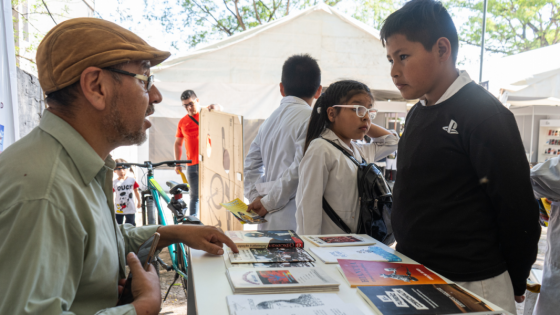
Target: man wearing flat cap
62 250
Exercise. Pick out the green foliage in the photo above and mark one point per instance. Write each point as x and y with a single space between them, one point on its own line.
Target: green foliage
511 26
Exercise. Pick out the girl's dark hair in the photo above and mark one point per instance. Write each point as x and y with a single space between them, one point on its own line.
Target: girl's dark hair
124 161
336 94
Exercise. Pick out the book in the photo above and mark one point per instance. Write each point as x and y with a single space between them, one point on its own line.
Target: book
239 210
289 280
267 265
346 309
340 240
376 273
444 299
243 304
269 255
330 255
265 239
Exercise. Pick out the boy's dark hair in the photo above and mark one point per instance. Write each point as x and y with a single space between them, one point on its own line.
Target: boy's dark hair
337 93
188 94
423 21
301 76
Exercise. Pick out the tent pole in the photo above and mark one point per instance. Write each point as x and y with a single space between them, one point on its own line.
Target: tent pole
482 44
532 127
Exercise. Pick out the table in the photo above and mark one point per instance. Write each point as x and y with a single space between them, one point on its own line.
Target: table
208 285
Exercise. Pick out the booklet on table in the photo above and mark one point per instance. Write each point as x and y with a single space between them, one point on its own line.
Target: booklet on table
269 255
330 255
376 273
341 240
290 304
442 299
289 280
265 239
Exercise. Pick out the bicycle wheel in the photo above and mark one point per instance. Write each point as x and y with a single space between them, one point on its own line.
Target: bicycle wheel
183 267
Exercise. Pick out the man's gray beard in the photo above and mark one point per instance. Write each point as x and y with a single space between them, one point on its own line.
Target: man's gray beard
122 135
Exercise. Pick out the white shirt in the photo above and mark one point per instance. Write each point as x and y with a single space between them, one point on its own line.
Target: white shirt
462 80
325 171
271 166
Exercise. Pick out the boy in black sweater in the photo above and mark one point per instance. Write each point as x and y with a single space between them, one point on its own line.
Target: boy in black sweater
463 203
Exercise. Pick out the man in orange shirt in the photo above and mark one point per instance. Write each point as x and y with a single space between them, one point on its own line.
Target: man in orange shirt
187 132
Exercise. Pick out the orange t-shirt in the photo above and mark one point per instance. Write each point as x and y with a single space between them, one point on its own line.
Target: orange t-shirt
188 130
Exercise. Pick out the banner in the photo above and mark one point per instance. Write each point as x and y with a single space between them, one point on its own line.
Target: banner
9 122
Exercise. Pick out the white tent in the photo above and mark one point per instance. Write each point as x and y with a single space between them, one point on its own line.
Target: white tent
243 72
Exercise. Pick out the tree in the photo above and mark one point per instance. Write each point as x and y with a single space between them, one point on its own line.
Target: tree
211 19
511 26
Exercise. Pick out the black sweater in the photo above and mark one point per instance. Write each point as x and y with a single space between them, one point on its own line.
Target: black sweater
463 202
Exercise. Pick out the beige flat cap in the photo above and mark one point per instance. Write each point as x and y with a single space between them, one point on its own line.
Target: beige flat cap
74 45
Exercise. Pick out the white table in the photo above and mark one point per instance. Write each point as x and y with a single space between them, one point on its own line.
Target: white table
208 284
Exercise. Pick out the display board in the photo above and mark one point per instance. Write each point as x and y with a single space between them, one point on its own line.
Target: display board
220 167
549 139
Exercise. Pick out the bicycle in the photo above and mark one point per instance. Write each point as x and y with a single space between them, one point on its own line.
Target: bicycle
178 207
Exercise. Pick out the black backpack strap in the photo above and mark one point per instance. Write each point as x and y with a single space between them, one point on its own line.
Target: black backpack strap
334 217
350 156
193 119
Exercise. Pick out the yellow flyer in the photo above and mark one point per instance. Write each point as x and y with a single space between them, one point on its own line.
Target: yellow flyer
239 209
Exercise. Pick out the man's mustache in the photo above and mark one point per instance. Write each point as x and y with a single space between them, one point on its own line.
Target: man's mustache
150 109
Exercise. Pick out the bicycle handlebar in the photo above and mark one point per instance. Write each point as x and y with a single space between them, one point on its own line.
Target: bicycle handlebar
149 164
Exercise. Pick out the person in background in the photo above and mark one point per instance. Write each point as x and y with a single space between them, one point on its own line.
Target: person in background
188 134
341 115
546 184
271 166
462 201
123 187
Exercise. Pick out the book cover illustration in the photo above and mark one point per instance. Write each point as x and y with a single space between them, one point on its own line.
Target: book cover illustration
340 240
330 255
239 210
269 255
375 273
241 277
265 239
423 299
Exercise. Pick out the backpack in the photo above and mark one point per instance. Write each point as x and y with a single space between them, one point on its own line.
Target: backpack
375 202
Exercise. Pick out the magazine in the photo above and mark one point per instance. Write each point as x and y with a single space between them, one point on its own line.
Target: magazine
239 210
269 255
423 299
376 273
340 240
240 304
265 239
346 309
330 255
290 280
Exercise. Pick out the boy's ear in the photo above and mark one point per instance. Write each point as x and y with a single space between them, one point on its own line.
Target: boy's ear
443 48
318 93
282 90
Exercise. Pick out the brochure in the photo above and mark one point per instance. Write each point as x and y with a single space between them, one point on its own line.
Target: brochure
330 255
346 309
240 304
269 255
265 239
290 280
374 273
441 299
341 240
239 210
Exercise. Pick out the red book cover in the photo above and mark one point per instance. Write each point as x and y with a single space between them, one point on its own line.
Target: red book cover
375 273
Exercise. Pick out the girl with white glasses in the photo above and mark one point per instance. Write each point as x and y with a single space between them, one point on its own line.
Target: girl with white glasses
343 114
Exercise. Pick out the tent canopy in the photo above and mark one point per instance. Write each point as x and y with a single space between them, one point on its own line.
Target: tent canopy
243 72
534 76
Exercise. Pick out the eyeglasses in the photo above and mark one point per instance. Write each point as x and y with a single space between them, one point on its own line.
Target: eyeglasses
148 79
120 168
361 110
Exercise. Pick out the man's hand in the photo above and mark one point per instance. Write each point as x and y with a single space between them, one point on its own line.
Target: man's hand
216 107
519 298
121 284
206 238
178 169
139 205
145 287
258 207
